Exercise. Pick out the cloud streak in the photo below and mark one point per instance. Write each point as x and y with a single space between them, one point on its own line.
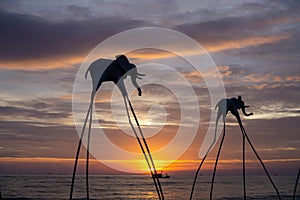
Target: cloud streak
27 37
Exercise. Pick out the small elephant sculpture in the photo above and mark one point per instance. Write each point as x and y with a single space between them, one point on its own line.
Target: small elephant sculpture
103 70
232 105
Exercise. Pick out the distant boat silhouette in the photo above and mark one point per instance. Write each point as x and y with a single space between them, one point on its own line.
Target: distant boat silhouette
161 175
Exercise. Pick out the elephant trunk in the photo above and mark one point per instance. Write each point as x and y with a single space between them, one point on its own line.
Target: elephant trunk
139 74
133 79
244 112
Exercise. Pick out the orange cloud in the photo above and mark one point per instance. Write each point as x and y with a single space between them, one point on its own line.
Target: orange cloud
42 63
242 43
263 81
257 78
193 76
149 54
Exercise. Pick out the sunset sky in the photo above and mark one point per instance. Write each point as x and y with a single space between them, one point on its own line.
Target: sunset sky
255 45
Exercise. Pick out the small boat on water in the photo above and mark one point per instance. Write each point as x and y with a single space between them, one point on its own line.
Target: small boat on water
161 175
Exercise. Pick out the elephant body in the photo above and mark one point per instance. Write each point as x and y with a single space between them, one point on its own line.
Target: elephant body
102 70
232 105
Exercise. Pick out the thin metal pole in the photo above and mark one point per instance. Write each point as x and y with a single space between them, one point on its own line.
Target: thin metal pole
261 162
143 150
88 154
244 165
196 175
296 184
201 163
216 163
244 168
147 147
78 151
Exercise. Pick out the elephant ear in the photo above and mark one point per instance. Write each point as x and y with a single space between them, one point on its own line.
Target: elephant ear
124 63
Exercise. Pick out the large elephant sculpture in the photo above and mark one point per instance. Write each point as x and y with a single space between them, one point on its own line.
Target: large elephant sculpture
103 70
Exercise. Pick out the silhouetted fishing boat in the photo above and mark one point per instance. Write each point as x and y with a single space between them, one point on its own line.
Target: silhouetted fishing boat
161 175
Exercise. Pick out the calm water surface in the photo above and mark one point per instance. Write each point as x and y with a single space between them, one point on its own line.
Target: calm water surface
121 187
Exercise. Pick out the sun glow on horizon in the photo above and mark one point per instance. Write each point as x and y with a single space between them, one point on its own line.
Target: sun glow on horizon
140 166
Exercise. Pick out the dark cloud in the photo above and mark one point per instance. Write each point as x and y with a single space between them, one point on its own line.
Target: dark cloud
278 58
228 29
47 84
41 107
30 113
79 12
279 20
31 139
28 37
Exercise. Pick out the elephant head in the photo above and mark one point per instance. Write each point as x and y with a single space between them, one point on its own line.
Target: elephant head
242 106
103 70
131 70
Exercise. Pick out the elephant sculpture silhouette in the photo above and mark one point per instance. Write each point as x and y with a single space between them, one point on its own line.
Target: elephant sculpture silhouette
232 105
224 105
103 70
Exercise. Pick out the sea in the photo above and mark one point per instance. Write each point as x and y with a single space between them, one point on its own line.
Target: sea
133 187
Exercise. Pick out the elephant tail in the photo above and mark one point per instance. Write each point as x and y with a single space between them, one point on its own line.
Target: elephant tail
221 103
87 71
217 105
